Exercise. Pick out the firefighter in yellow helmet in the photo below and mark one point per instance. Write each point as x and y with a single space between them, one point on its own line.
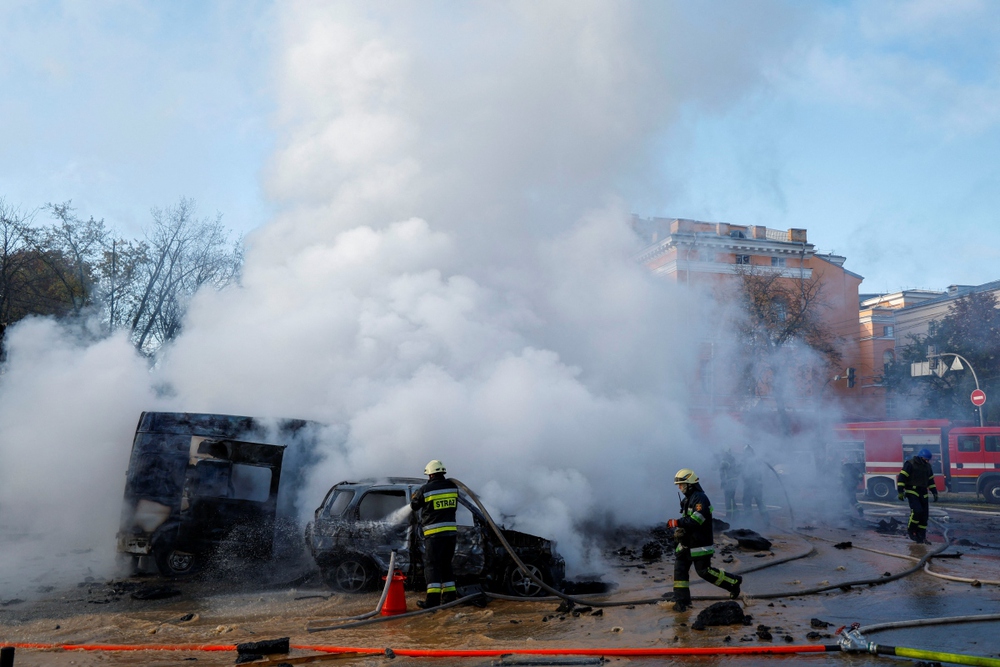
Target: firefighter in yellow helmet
695 537
436 504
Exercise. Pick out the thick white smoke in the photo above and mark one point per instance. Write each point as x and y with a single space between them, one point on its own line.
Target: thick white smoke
450 275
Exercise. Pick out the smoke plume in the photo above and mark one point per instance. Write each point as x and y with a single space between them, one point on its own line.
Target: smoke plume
450 275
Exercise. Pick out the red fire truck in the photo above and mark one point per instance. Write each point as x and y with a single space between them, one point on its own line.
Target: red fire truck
966 459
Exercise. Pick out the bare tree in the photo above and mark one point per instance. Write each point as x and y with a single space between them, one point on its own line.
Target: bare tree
181 253
781 334
71 248
34 278
13 258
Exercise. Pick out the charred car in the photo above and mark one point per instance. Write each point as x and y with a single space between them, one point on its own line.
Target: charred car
359 524
197 482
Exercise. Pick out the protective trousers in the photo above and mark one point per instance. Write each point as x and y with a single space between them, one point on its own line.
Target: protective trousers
703 566
754 493
730 493
438 552
920 511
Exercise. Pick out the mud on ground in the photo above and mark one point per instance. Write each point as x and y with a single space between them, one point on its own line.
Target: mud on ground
244 605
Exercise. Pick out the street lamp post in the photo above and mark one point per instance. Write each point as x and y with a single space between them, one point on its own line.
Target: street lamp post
979 408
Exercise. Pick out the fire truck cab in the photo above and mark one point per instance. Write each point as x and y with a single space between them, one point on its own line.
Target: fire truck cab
965 459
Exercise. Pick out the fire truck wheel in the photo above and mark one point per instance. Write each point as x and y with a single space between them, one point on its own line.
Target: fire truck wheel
881 488
992 491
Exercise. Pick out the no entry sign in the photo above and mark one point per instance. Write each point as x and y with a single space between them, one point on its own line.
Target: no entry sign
978 397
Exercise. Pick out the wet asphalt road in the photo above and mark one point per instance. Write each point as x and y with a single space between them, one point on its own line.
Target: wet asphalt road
217 614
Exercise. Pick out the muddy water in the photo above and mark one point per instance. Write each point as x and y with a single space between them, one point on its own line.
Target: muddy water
210 613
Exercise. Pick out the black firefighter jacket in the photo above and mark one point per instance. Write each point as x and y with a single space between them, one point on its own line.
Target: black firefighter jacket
696 522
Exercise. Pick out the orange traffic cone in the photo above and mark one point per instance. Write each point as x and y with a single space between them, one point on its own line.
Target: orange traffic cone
395 601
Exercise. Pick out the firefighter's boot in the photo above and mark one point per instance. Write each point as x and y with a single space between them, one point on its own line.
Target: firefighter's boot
433 600
734 592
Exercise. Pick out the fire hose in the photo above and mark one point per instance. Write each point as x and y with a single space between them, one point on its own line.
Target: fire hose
557 594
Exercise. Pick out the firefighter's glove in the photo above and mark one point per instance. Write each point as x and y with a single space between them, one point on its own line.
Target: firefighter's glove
678 534
901 495
672 523
935 496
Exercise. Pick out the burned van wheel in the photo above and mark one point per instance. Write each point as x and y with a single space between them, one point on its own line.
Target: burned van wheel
992 491
518 583
881 488
172 561
350 575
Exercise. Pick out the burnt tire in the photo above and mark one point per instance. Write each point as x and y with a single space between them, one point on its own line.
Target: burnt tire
516 582
992 491
353 574
173 561
881 488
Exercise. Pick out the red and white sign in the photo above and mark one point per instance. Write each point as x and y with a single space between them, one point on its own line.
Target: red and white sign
978 397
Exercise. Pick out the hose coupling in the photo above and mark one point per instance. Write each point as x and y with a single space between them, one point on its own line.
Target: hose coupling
853 641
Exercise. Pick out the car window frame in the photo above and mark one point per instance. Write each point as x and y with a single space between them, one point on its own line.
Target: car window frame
374 489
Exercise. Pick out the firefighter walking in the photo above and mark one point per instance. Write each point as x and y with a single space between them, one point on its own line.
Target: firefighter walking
913 482
753 484
730 477
695 538
436 503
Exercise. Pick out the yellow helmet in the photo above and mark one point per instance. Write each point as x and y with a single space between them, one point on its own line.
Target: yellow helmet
434 467
685 476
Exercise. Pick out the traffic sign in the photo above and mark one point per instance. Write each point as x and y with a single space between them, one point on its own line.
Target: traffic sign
978 397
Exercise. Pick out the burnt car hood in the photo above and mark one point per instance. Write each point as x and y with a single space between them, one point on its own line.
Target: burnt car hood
518 539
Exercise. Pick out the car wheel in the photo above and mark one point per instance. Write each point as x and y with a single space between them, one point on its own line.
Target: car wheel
992 491
174 562
881 488
350 575
519 584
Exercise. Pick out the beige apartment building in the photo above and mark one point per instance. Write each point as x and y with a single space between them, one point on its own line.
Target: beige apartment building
896 319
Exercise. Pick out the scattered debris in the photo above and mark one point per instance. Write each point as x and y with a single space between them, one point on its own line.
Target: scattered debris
817 623
890 527
721 613
652 551
265 646
843 545
749 540
155 593
763 632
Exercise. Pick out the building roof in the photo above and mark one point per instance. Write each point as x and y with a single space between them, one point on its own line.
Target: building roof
955 292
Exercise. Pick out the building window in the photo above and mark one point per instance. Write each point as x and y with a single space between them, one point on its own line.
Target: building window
888 331
780 310
778 261
743 259
888 358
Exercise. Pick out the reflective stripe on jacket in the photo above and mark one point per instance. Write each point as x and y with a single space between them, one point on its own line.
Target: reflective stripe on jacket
917 476
696 520
436 503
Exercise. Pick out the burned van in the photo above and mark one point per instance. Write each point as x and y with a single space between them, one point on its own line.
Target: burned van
196 482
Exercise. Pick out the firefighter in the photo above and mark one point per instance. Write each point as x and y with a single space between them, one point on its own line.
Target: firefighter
730 481
851 474
436 503
694 543
913 482
753 484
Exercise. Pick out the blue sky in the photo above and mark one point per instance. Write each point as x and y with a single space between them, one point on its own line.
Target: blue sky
876 126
